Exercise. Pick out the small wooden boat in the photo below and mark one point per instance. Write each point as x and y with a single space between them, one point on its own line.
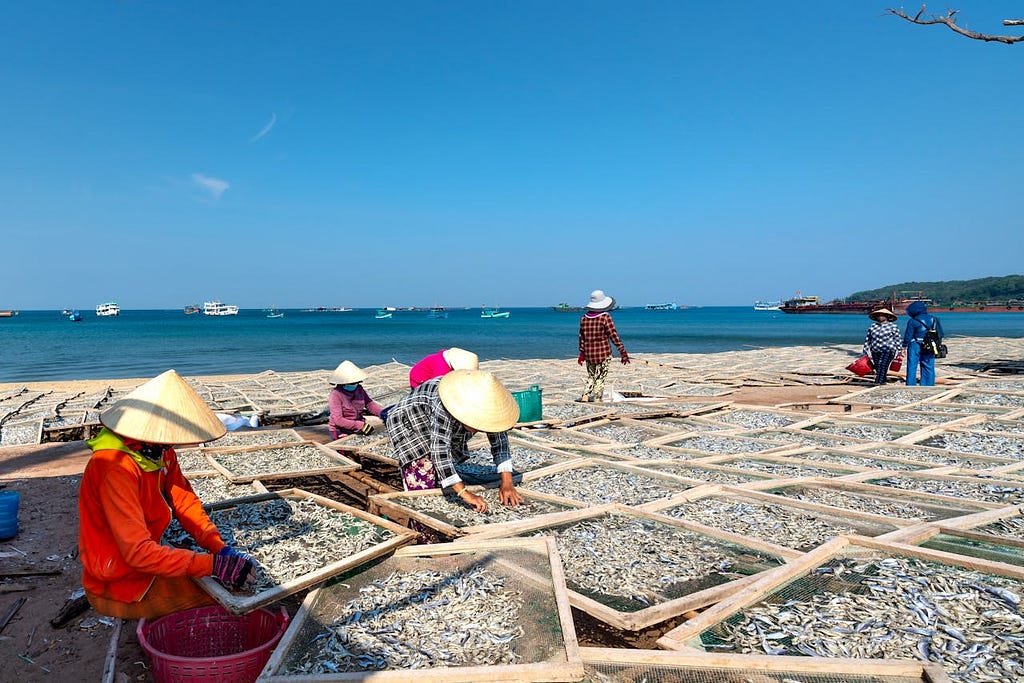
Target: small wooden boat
493 313
274 313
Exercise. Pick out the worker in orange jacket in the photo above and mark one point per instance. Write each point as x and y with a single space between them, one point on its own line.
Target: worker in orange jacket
130 489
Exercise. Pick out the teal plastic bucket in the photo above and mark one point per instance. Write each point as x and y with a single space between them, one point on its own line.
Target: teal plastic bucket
9 514
530 409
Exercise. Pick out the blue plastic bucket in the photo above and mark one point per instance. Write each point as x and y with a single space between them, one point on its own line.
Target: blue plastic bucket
9 514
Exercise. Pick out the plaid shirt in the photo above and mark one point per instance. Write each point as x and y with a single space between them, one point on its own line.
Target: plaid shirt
882 337
595 331
420 426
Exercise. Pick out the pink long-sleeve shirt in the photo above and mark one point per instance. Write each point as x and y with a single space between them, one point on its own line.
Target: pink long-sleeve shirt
347 409
430 367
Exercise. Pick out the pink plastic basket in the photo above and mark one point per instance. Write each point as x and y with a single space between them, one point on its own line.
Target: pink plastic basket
209 644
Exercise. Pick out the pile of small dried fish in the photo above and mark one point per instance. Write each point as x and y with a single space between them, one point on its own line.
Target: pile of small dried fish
1009 526
571 412
789 526
288 537
1005 426
752 419
933 457
781 469
267 437
422 619
215 488
857 431
193 460
983 444
967 621
907 416
451 509
557 435
894 397
721 445
641 452
1011 385
642 560
978 399
523 459
844 458
621 433
705 474
854 501
298 458
595 485
991 493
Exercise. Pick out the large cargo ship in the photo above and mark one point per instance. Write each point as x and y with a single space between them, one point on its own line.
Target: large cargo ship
812 304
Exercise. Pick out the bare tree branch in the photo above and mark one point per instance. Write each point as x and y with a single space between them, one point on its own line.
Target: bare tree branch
949 19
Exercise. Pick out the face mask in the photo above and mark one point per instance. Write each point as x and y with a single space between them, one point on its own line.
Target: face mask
349 387
152 451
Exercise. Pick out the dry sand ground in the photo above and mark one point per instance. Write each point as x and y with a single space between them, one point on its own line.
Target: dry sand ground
47 476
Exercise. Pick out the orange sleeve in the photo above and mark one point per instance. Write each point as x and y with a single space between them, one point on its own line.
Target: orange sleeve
120 500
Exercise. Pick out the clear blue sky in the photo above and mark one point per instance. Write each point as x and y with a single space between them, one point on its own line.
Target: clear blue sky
514 153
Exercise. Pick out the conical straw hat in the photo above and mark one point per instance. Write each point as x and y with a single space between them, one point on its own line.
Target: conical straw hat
460 359
478 400
164 410
874 315
347 373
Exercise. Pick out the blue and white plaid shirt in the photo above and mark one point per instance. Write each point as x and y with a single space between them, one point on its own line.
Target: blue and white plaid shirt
884 336
419 426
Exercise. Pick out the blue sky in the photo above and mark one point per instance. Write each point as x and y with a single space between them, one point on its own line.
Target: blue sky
508 153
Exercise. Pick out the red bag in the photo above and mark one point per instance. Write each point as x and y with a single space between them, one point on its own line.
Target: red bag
861 366
896 363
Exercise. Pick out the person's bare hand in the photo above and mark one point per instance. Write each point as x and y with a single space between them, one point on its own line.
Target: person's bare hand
509 496
474 501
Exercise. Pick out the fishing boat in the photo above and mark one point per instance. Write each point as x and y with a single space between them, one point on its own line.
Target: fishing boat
668 306
75 317
382 313
218 309
563 307
8 314
493 313
108 310
274 313
767 305
192 309
437 313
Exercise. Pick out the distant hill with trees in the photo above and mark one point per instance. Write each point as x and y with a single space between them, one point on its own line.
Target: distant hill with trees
952 292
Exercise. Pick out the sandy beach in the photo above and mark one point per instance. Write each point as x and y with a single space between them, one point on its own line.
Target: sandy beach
41 564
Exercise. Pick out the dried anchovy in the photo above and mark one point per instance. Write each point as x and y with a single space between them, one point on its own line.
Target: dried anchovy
788 526
451 509
992 493
801 437
297 458
966 621
214 489
753 419
19 434
523 459
641 452
916 418
571 411
621 433
642 560
193 460
972 399
595 485
853 501
558 436
929 457
359 440
1010 385
983 444
784 470
842 458
1009 526
688 424
706 474
269 437
288 537
894 397
1005 426
415 620
865 432
720 445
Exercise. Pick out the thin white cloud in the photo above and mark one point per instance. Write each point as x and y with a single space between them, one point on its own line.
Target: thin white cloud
215 186
266 128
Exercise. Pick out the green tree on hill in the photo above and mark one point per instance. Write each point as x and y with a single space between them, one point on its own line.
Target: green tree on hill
950 292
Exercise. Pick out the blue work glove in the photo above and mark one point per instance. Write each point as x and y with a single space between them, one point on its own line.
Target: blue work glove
232 567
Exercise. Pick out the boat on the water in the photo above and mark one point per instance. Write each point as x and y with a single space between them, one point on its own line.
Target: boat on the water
767 305
274 313
813 304
108 310
898 305
382 313
564 307
493 313
326 309
667 306
437 313
192 309
8 314
75 317
218 308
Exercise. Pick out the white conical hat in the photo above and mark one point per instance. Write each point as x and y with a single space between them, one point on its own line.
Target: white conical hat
164 410
460 359
478 400
347 373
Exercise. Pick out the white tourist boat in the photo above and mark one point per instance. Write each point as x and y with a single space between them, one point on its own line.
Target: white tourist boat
767 305
109 309
217 308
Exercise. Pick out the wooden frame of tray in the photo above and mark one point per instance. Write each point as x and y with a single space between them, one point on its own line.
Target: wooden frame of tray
570 668
344 464
663 466
797 417
968 427
950 399
287 431
964 528
918 466
683 636
926 393
976 457
363 451
654 431
710 666
838 471
588 413
911 429
642 618
867 477
389 506
256 484
855 516
667 441
243 604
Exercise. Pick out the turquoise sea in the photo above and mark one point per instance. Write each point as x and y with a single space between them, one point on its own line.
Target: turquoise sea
43 345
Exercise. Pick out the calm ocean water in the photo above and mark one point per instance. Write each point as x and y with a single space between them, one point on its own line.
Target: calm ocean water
43 345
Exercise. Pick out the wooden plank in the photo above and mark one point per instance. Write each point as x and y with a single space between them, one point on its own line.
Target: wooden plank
110 660
343 463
